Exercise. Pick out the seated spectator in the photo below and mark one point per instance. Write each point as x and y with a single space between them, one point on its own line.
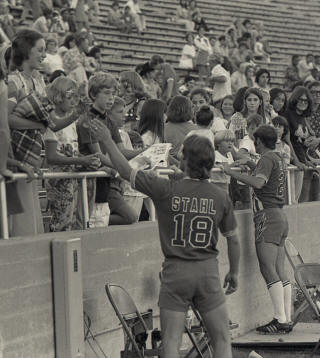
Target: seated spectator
200 97
292 73
137 14
278 100
64 19
179 123
6 20
259 52
196 16
74 61
204 49
53 60
204 121
231 39
221 47
129 21
133 92
148 75
72 20
115 16
250 74
221 80
151 124
62 155
188 86
57 26
188 56
43 23
34 7
239 78
182 15
305 65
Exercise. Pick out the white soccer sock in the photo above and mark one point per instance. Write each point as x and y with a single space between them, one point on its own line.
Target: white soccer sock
277 297
287 293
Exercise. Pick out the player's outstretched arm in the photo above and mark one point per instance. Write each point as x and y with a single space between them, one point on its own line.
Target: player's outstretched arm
255 182
231 279
119 162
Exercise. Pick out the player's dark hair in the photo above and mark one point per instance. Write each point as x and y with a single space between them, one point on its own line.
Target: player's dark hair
199 155
204 116
268 136
281 121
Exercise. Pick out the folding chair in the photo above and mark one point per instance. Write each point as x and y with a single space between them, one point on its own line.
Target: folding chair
307 276
136 326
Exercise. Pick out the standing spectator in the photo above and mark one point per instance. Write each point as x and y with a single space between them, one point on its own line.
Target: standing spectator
34 6
249 72
179 123
282 128
231 38
138 16
43 23
128 21
53 60
166 77
74 61
221 80
260 53
278 100
64 19
182 15
62 155
6 20
227 109
28 53
240 55
81 15
151 124
196 17
189 52
239 78
299 109
305 66
221 47
152 87
253 104
204 51
317 62
292 73
133 92
262 80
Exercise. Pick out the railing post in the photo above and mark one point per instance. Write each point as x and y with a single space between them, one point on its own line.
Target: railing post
289 186
4 212
85 208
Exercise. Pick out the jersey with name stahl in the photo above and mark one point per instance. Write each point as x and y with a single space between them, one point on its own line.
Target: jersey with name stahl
189 212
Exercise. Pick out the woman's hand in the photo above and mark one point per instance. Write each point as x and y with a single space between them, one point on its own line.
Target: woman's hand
30 171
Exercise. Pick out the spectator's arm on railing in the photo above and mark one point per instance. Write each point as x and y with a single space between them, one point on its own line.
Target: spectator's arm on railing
255 182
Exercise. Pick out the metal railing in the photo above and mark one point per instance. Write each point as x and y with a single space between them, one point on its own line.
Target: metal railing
83 176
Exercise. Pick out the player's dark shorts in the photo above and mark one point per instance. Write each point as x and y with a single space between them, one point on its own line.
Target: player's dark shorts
186 282
271 225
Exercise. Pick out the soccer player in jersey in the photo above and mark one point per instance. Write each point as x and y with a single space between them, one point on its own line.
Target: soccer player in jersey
271 226
190 211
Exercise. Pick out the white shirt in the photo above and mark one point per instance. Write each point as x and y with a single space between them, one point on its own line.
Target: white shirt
221 89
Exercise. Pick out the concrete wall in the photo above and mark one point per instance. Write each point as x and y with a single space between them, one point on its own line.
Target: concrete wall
129 256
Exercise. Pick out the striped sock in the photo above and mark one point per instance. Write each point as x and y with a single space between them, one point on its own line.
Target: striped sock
277 298
287 293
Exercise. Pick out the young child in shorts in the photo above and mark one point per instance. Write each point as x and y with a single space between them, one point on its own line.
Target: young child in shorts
189 211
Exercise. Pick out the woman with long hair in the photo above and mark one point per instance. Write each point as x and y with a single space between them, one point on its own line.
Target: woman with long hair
252 104
133 92
151 124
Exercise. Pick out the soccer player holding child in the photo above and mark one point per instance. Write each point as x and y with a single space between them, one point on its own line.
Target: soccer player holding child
190 211
271 226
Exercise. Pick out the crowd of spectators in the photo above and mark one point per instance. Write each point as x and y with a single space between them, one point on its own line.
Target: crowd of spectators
53 86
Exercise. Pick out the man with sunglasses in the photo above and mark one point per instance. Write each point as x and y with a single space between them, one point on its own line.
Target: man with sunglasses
268 181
